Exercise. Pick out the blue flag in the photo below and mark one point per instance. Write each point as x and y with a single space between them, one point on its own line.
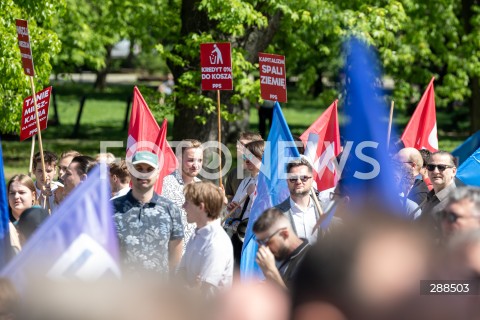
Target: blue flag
369 170
77 242
272 186
5 248
469 171
467 148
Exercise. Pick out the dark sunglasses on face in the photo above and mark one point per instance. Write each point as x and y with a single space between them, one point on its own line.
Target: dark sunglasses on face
441 167
303 178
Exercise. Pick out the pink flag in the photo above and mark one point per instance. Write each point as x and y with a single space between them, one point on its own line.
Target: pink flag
144 134
322 140
421 130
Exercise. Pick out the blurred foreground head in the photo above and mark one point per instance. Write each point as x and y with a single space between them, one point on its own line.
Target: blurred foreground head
365 269
131 299
253 301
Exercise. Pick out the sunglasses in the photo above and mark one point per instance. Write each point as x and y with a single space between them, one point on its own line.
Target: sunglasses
265 241
441 167
295 179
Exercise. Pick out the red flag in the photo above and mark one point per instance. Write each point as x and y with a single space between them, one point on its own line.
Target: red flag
421 130
144 134
322 140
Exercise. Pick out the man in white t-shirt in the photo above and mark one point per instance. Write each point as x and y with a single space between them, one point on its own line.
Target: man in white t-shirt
208 260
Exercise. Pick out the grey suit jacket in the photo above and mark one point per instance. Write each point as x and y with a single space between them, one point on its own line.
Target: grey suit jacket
286 208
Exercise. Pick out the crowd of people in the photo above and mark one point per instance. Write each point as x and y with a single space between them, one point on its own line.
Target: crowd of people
366 264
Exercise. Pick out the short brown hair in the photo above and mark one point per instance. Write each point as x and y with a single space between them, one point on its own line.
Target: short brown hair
251 136
453 160
299 162
209 194
85 164
267 219
256 147
48 156
120 170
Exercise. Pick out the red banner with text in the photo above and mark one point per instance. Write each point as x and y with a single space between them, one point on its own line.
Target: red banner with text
273 81
25 49
28 126
216 63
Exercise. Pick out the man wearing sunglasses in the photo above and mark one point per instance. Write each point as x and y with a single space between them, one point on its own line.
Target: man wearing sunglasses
441 171
462 212
300 208
280 250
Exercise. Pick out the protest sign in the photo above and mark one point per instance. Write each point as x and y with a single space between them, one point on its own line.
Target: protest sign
24 44
273 82
28 125
216 63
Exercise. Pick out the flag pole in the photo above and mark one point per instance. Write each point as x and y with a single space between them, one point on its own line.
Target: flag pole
390 124
40 146
219 140
32 151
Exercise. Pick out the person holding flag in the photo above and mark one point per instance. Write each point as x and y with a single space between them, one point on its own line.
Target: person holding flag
47 188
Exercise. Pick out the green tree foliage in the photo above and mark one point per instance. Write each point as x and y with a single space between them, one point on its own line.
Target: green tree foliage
415 40
45 44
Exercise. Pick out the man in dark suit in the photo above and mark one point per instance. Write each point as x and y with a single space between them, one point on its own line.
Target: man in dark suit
300 208
413 161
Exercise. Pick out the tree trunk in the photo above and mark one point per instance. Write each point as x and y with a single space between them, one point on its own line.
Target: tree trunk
101 81
475 105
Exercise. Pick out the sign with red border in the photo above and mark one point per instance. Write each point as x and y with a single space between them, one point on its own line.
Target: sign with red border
216 64
25 49
273 80
28 126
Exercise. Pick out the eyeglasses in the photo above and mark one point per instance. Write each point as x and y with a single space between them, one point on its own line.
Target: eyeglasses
265 241
441 167
333 195
295 179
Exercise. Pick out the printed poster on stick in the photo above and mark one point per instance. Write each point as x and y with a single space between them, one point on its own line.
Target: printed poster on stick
273 82
24 44
216 63
28 126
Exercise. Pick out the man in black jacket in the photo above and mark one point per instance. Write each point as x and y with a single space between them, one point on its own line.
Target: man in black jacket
280 250
412 159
